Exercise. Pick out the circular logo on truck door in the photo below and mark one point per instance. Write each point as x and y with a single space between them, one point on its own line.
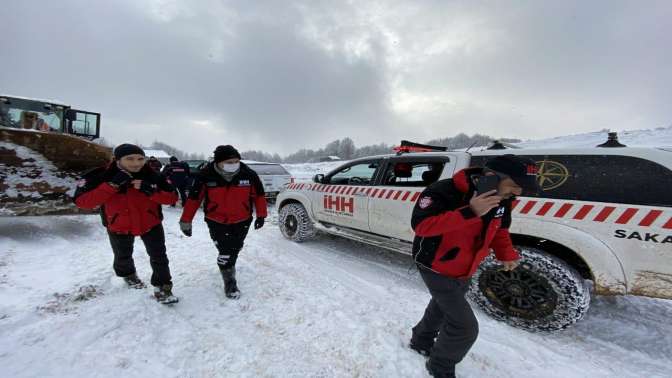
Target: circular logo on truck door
551 174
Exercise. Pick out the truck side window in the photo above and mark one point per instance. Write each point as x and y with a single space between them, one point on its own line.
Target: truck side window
412 174
358 174
601 178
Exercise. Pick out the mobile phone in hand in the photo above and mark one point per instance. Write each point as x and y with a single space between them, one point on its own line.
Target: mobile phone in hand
487 183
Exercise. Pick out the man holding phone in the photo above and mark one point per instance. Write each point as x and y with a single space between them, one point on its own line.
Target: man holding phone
457 222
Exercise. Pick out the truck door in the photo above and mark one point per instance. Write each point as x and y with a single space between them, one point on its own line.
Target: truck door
342 199
402 180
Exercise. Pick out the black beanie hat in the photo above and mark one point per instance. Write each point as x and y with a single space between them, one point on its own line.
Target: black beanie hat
225 152
127 149
173 158
521 170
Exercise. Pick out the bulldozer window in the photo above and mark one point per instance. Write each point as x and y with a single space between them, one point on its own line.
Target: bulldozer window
24 114
85 124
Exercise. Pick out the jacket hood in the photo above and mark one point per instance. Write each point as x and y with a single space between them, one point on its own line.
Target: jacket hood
462 179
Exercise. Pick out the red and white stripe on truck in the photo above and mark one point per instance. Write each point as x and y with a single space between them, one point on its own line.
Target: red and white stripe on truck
643 216
550 209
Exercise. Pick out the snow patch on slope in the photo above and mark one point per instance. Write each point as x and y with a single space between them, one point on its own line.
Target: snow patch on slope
34 169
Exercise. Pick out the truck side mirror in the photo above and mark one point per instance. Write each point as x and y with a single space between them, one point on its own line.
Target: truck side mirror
318 178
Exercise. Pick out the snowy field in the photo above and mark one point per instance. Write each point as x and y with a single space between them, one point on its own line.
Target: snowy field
305 172
327 308
658 137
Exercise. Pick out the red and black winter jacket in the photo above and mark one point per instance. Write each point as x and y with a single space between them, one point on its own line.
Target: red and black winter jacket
125 210
225 202
155 164
177 173
449 238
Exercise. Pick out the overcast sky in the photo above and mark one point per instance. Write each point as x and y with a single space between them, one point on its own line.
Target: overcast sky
283 75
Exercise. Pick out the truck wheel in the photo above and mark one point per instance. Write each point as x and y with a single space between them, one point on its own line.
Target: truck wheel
543 294
295 224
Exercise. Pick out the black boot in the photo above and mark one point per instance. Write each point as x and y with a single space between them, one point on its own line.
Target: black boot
134 282
435 374
230 286
164 294
421 349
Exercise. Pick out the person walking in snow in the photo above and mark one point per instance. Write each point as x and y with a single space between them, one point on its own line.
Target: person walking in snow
177 173
129 195
230 189
455 228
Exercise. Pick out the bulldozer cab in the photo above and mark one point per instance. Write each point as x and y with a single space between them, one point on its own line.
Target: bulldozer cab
31 114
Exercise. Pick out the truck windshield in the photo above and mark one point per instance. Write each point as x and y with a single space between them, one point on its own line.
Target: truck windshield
268 169
31 114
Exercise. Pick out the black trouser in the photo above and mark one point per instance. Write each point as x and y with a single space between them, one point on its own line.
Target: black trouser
449 316
155 243
229 240
182 191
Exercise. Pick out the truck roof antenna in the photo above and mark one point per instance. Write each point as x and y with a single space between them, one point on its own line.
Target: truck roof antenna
612 141
497 145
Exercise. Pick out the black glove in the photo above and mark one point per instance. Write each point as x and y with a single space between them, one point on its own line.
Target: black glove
120 179
147 187
163 184
259 223
185 228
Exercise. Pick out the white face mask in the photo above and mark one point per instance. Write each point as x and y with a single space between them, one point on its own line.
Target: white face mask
230 168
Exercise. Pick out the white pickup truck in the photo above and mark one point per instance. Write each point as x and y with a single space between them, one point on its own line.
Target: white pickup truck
603 222
273 176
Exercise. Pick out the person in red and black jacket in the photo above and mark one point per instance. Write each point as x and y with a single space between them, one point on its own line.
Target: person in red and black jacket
177 173
155 164
130 194
455 229
229 190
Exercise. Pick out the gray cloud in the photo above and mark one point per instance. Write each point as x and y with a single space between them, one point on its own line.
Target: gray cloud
280 76
551 68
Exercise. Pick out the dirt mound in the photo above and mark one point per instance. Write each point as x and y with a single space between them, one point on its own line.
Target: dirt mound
39 170
65 151
31 185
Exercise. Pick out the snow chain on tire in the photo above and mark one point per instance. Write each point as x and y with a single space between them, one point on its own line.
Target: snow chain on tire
543 294
295 224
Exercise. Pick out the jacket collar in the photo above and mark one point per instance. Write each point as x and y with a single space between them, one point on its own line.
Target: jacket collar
145 172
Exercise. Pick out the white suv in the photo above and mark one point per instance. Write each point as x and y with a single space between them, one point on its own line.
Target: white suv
605 216
273 176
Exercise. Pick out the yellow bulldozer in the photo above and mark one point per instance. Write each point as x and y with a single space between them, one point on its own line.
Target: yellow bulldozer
44 146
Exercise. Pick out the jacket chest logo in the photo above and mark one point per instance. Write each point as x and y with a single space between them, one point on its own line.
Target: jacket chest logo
500 212
244 183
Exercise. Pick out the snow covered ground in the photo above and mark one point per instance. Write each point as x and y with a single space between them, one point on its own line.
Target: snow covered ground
658 137
305 172
326 308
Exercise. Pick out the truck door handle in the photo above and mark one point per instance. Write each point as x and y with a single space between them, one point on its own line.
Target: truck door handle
360 194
